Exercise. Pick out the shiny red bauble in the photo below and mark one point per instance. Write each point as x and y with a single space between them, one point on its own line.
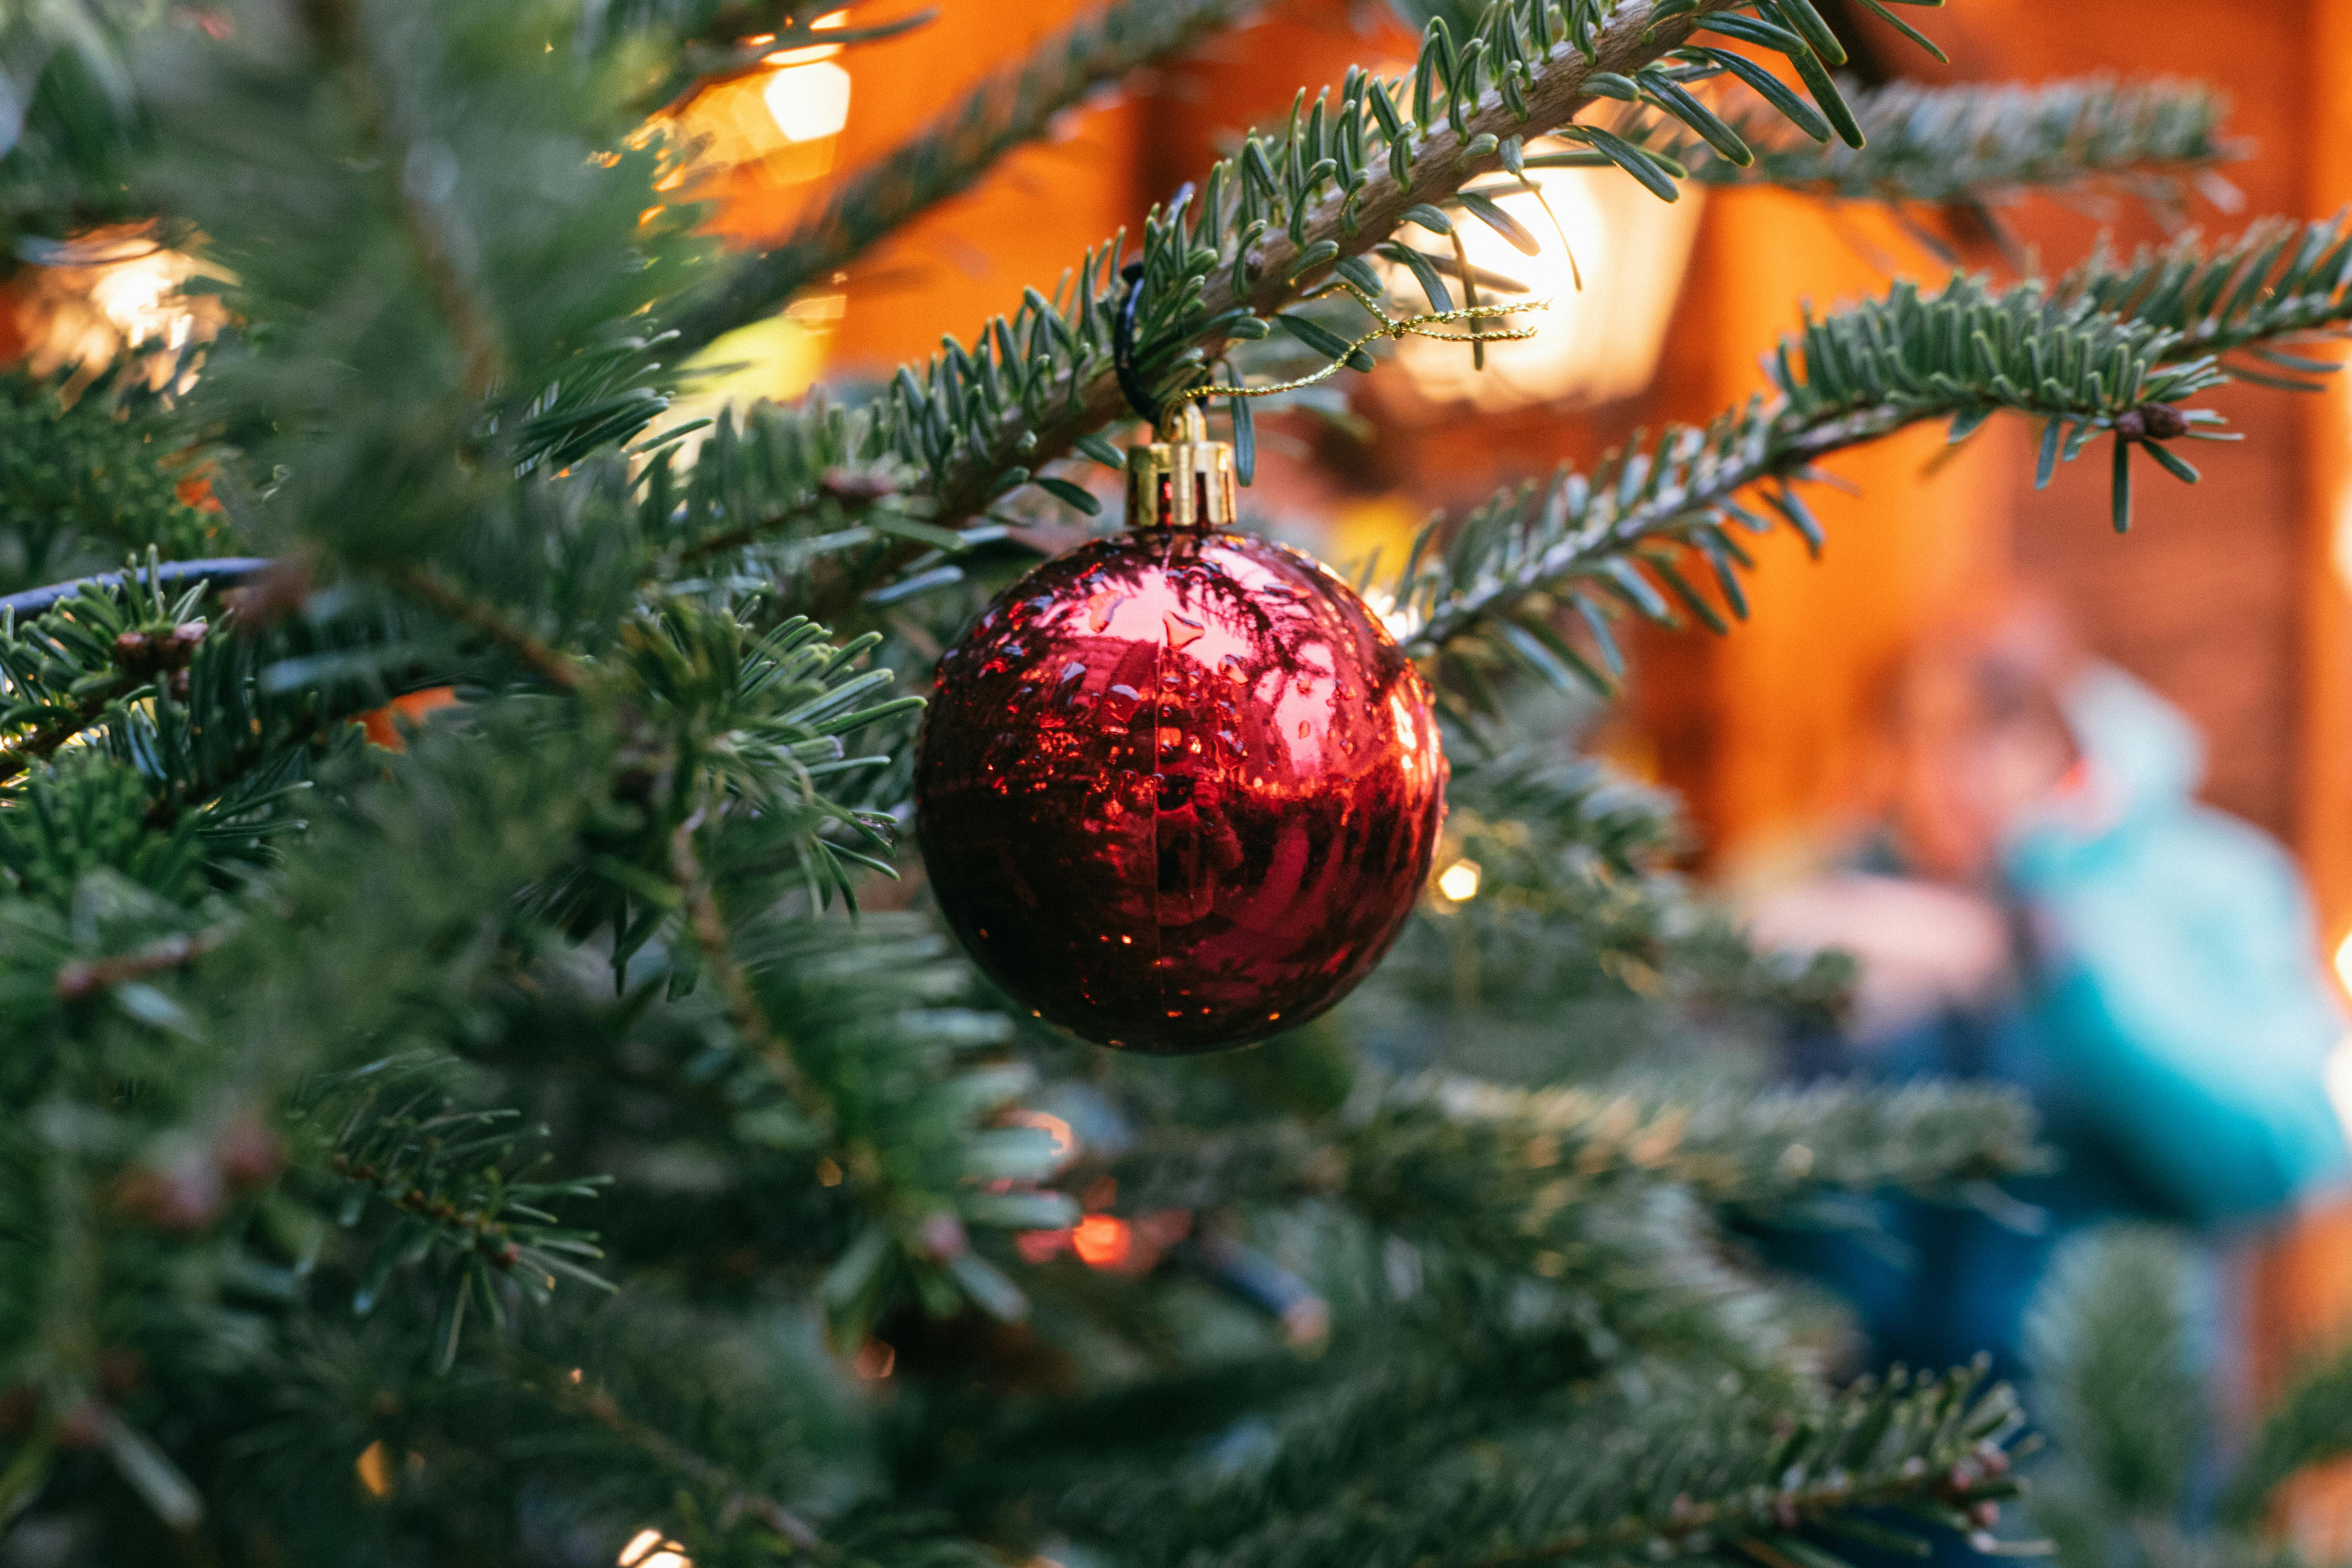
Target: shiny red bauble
1178 791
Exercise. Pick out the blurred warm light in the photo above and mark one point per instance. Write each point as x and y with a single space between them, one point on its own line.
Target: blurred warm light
777 360
89 300
781 121
1101 1241
650 1549
1459 881
808 101
875 1360
373 1468
1594 344
383 725
1400 623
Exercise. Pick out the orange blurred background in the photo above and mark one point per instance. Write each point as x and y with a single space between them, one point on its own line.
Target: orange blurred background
2231 598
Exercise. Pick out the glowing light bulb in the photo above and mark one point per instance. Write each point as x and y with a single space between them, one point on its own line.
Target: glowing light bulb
649 1549
1597 342
1459 881
1101 1241
808 101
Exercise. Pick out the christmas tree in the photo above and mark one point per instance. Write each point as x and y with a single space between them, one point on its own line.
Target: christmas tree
474 1090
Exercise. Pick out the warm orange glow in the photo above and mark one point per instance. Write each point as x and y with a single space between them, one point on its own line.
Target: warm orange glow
650 1549
1101 1241
383 724
875 1360
109 292
1459 881
808 100
1041 1246
1596 343
373 1468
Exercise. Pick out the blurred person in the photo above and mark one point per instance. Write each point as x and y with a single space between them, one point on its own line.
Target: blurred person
2036 898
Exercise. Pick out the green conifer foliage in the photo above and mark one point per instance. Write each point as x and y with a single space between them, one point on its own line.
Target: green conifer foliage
565 1125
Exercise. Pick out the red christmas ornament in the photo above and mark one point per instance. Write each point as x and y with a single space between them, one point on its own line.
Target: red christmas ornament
1178 790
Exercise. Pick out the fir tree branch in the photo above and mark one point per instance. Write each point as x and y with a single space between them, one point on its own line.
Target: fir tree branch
90 478
42 743
1675 1473
2312 1424
1531 1151
342 39
597 1406
1981 142
952 153
2109 350
1267 225
66 667
2111 1341
552 664
1869 1456
708 926
1744 1149
82 978
1347 223
451 1177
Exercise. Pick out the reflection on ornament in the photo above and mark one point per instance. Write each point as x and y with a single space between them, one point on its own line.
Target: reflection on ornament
1597 343
1178 790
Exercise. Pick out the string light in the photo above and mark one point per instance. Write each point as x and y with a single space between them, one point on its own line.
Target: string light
1459 881
650 1549
1101 1241
808 101
781 118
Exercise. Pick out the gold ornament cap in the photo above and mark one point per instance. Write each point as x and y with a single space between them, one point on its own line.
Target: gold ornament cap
1183 479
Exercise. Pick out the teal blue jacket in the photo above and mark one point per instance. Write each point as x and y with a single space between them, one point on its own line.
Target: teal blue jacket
2180 1008
2174 1029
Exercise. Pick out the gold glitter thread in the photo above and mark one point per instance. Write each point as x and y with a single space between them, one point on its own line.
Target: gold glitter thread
1390 327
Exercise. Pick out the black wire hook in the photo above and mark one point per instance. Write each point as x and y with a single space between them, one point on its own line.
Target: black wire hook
1122 348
